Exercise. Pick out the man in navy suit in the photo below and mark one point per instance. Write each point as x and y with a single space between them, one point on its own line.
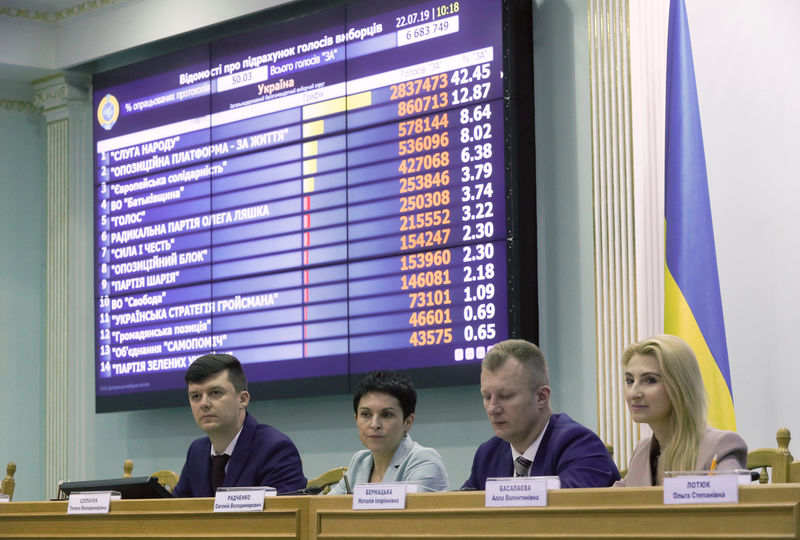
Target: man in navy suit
530 440
238 450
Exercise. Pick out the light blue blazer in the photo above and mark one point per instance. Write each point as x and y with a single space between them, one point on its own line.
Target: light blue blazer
411 463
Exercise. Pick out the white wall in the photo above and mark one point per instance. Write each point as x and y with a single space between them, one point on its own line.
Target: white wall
22 234
746 63
564 205
99 32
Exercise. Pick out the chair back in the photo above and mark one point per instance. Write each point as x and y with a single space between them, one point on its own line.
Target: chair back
8 483
610 448
794 472
328 479
167 478
778 460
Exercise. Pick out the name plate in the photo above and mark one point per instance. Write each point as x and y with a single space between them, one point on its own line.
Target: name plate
520 491
241 499
385 496
96 502
4 498
719 488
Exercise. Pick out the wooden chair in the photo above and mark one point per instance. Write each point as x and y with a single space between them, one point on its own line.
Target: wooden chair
327 480
8 483
167 478
610 448
779 460
794 472
127 468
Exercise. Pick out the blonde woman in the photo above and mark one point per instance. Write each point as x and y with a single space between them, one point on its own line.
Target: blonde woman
664 389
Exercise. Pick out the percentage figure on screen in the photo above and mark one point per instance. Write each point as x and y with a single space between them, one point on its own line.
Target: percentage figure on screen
484 291
478 252
482 332
479 313
475 114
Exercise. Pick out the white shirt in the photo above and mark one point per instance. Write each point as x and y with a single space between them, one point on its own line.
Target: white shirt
229 448
530 453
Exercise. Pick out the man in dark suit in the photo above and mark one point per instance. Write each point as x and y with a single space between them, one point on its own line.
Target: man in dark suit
238 450
530 440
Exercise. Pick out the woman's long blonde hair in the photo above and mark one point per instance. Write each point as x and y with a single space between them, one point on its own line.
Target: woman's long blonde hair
684 384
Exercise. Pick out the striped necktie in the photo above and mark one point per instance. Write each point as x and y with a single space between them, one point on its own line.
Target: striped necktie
522 466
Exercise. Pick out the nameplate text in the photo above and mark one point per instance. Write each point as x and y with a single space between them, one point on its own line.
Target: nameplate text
239 500
520 491
718 488
383 496
98 502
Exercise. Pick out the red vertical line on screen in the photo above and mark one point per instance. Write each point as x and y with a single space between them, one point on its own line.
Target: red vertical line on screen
305 318
307 203
305 277
305 256
347 213
307 221
306 239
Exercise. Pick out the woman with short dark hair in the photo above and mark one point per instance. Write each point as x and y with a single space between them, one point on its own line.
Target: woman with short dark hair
383 406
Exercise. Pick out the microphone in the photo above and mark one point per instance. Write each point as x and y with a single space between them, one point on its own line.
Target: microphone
304 491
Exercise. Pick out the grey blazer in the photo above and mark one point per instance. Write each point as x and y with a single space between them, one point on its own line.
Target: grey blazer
411 463
729 447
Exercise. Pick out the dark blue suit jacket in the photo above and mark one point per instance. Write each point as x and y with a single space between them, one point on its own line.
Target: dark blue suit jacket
263 456
568 450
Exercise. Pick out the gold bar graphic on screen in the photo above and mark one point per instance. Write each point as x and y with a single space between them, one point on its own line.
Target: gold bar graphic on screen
356 101
310 148
309 167
313 129
308 184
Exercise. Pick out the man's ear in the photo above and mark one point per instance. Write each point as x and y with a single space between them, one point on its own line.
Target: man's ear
244 398
543 395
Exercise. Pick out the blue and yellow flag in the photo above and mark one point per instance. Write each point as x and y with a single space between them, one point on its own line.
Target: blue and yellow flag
693 306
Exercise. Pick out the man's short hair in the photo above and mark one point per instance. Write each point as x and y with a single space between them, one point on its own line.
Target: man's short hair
388 382
526 353
209 365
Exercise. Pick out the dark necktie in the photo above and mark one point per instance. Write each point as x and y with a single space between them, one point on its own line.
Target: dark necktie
522 466
218 469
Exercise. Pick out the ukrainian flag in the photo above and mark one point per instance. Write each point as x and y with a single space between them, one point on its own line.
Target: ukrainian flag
693 306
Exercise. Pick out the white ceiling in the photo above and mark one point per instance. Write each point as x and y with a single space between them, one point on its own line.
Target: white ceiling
40 5
26 41
55 35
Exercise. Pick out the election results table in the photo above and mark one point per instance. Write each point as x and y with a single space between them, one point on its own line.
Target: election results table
321 197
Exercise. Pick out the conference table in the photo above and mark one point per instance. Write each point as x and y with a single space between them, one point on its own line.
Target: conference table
768 511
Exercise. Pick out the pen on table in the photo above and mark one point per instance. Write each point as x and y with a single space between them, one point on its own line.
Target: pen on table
713 464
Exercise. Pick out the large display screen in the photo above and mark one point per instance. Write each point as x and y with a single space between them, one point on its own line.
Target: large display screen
320 197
